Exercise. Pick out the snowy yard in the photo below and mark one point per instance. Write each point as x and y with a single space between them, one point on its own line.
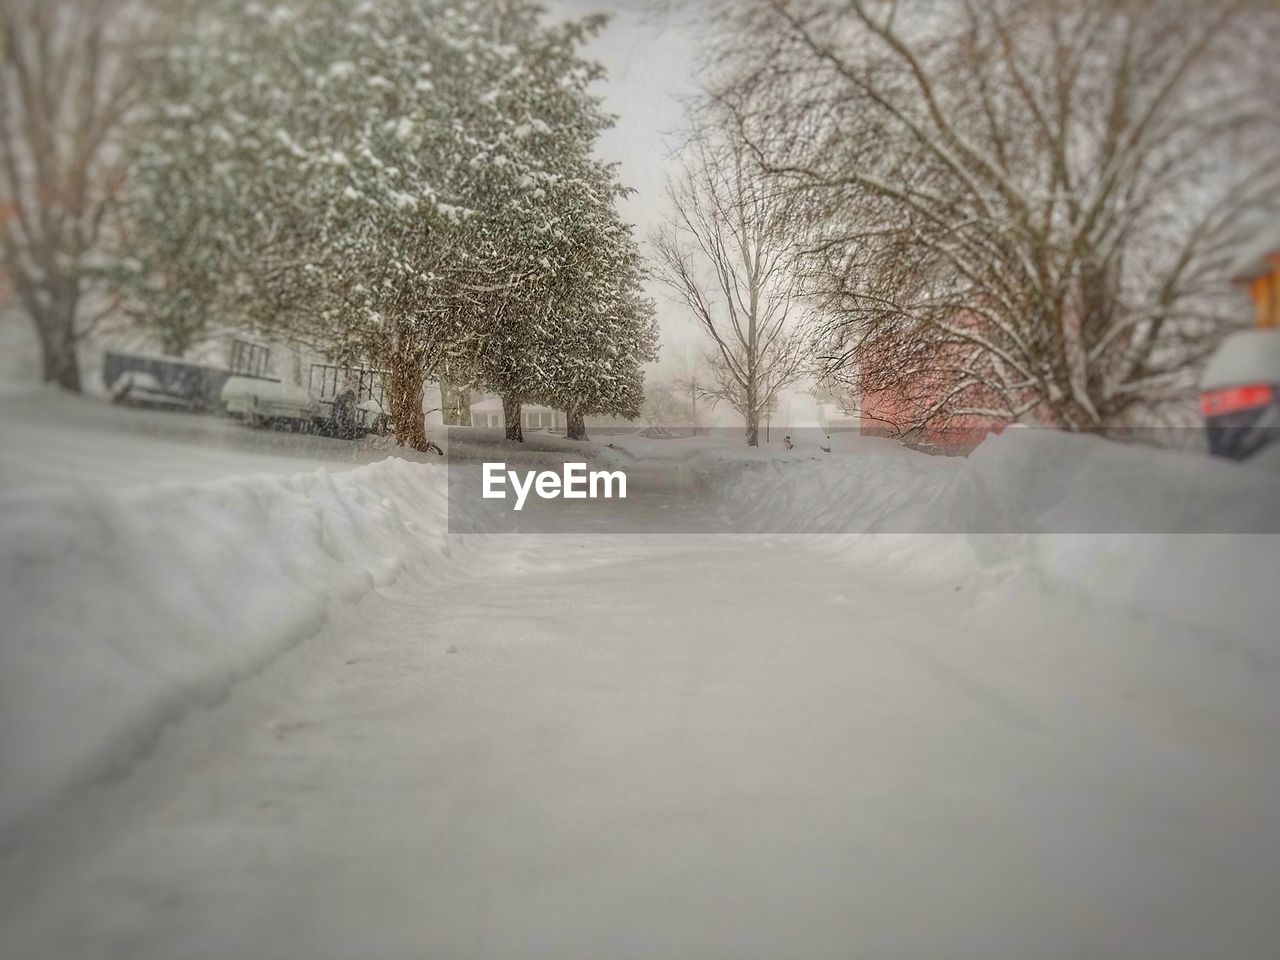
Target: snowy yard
283 714
658 653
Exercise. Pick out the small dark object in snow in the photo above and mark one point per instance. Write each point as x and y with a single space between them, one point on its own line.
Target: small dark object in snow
452 649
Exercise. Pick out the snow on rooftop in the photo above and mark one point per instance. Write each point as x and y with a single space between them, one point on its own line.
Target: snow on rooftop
1258 258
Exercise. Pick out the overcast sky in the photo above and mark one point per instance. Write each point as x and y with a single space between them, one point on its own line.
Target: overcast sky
651 59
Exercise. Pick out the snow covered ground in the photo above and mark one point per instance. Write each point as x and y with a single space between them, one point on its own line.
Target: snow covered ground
256 709
48 438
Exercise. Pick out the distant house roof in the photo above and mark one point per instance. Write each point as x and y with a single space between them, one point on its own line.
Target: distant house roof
1259 258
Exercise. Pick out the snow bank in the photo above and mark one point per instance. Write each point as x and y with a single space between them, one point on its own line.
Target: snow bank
1174 536
122 609
476 444
1027 481
52 438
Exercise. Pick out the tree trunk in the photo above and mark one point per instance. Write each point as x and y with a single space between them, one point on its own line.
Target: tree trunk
58 351
453 406
576 424
753 366
54 316
511 418
404 400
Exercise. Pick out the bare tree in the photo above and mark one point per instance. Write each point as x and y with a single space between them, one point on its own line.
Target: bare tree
727 257
670 403
68 78
1014 208
686 370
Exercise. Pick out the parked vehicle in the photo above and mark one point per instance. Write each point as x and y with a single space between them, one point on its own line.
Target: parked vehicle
1240 394
269 403
282 406
138 388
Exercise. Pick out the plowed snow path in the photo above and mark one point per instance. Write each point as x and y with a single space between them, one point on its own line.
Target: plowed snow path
605 747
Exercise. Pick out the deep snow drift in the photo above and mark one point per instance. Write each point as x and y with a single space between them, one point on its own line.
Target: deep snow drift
124 609
1188 540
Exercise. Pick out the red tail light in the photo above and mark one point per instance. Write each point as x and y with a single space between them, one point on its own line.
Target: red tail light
1217 403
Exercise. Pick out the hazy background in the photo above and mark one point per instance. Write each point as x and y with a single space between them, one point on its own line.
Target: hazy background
651 52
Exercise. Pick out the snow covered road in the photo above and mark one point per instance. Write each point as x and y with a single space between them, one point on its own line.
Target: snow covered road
591 746
675 747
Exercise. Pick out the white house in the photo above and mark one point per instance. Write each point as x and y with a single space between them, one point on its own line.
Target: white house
533 416
488 413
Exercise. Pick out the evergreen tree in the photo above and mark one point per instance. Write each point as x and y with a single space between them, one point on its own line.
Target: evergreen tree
406 183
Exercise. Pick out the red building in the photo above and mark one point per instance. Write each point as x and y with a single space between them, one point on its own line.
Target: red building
893 408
